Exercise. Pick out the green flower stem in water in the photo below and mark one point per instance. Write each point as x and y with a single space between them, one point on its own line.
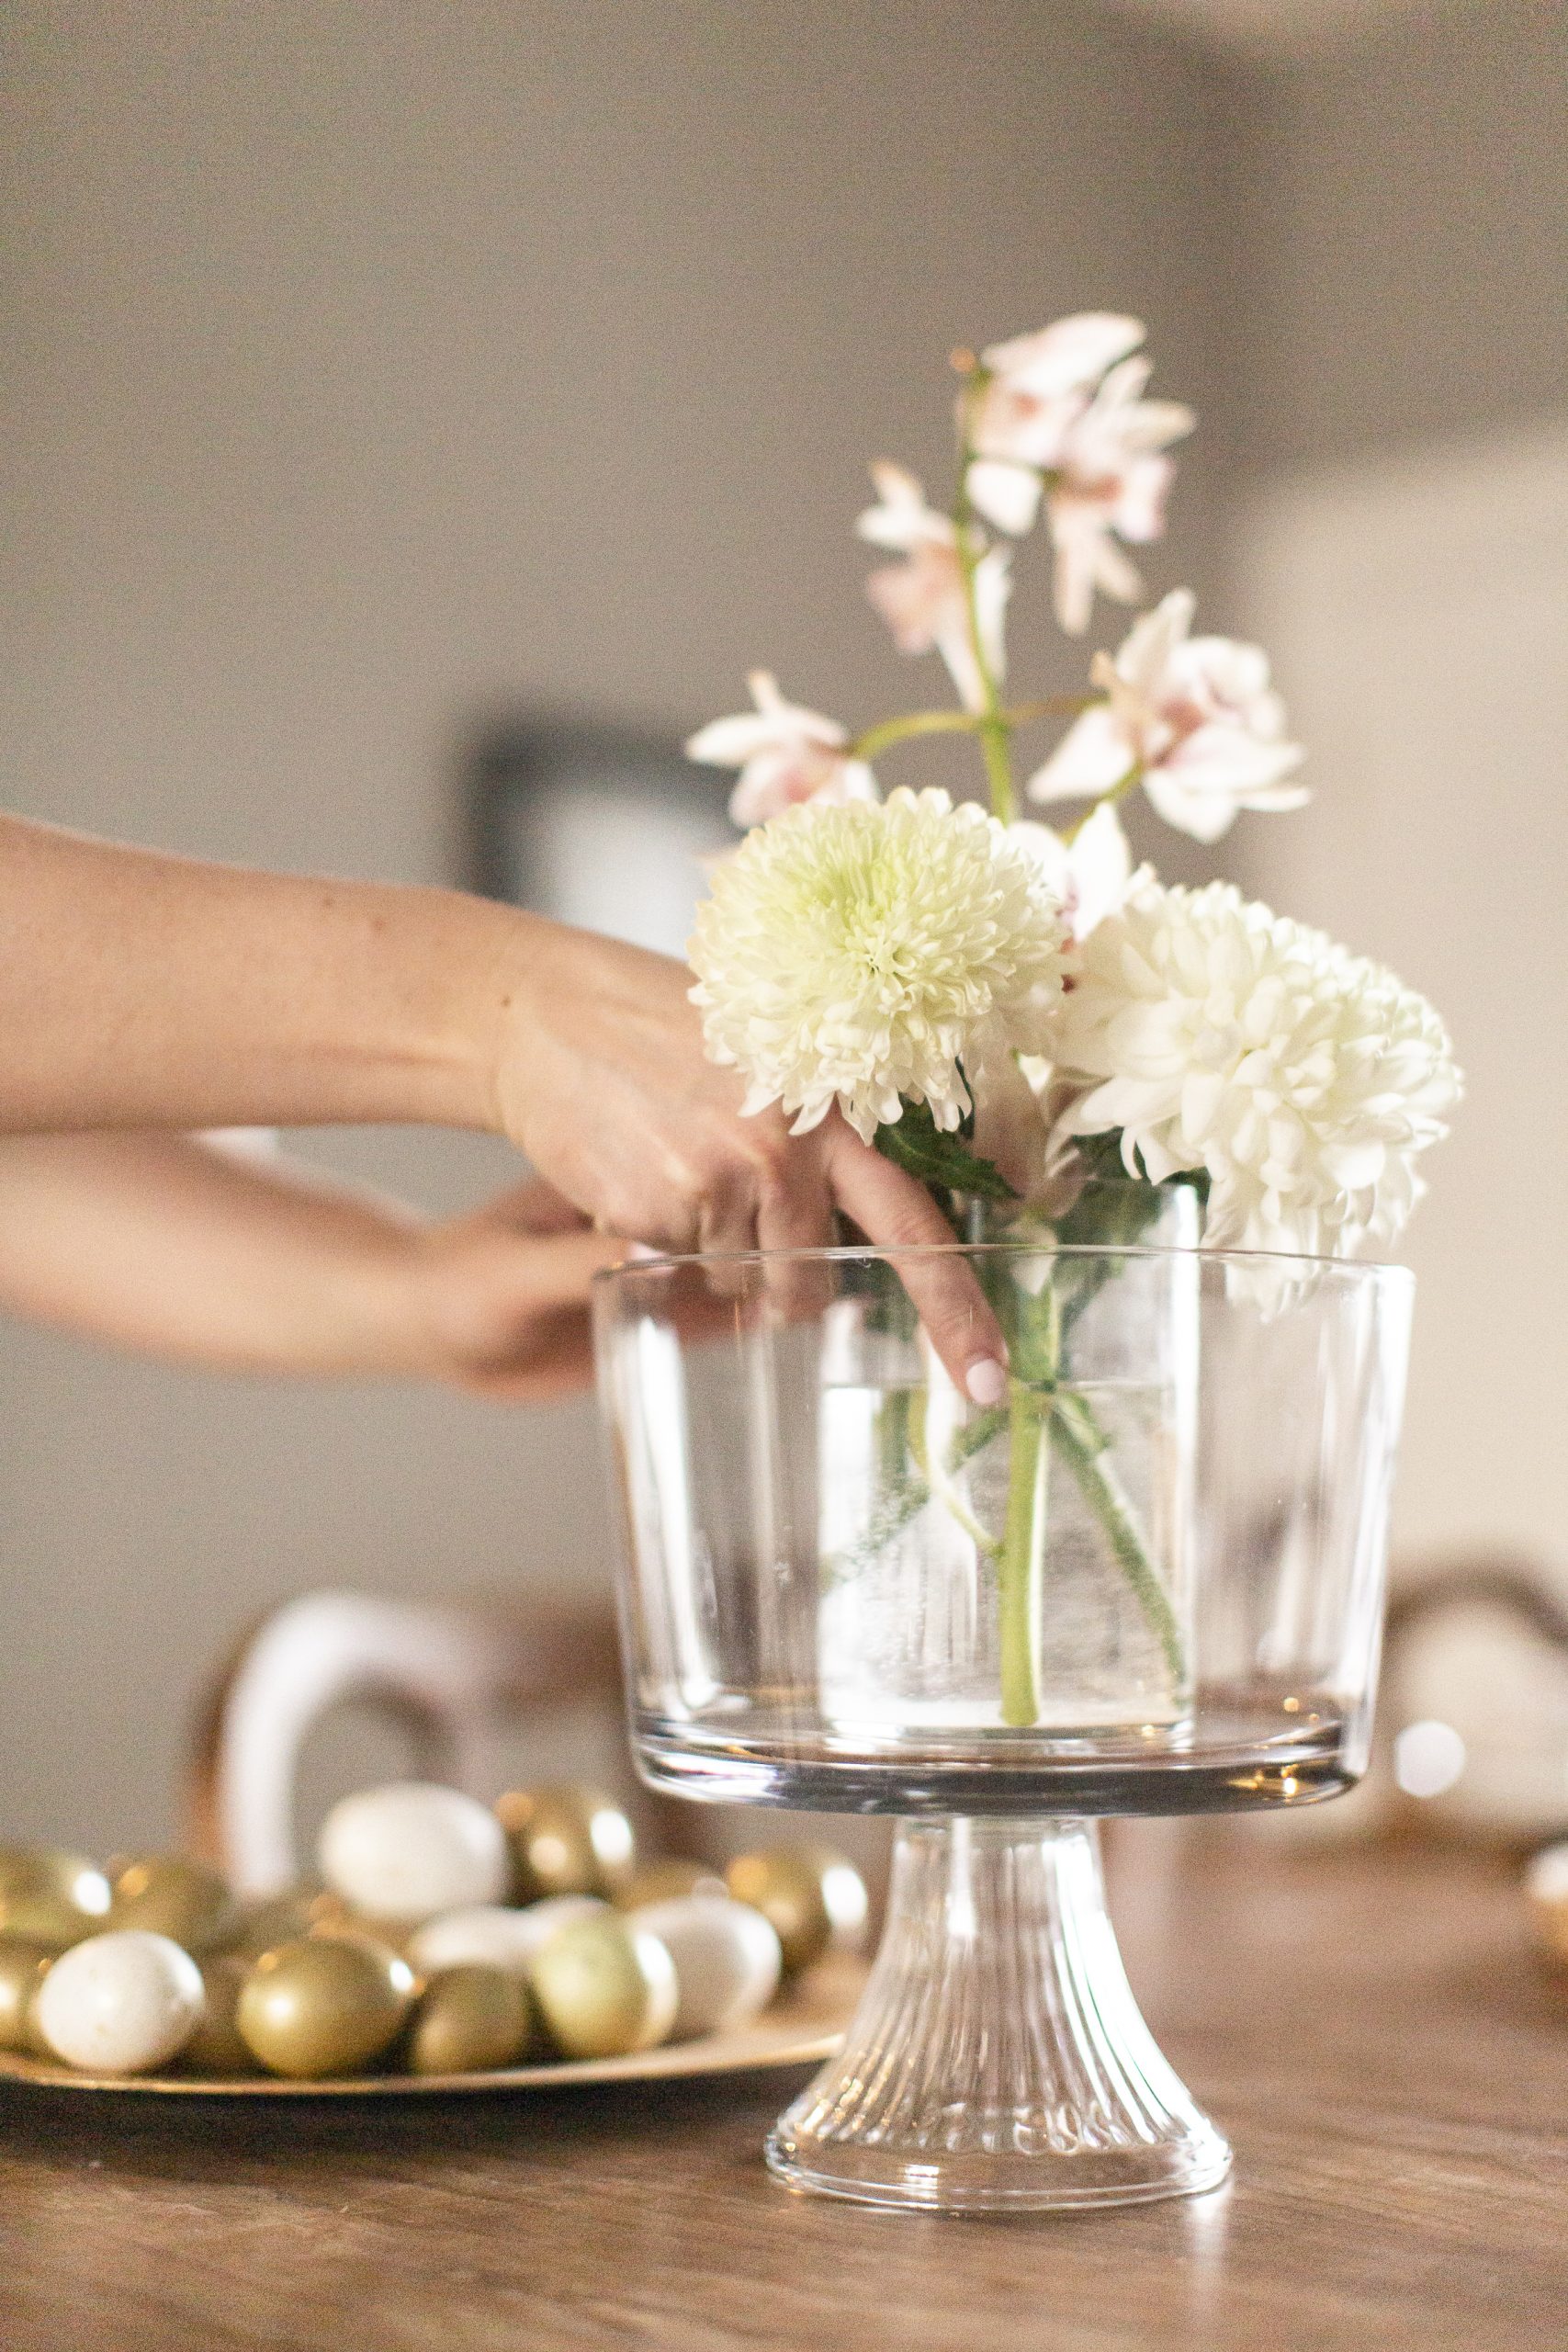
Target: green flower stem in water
1020 1569
892 1438
1083 1445
909 1486
905 1497
1041 1412
939 1481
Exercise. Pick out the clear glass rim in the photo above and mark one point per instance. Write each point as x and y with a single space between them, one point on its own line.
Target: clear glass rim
664 1263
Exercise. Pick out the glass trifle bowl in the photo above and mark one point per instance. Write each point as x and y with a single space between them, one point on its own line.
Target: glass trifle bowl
1149 1582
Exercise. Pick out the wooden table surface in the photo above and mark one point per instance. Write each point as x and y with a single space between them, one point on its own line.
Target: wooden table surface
1389 2060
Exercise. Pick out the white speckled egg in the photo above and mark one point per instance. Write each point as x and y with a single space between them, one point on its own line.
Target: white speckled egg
411 1849
120 2004
728 1960
496 1937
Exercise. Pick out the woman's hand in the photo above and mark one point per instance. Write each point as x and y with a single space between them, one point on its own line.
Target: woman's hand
178 1247
139 991
602 1082
498 1301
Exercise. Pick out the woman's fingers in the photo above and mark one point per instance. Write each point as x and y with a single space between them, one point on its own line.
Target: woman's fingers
558 1360
603 1084
726 1216
499 1303
896 1213
764 1190
795 1212
535 1206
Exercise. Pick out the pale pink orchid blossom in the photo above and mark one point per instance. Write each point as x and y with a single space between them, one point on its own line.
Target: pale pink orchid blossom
1090 875
1037 387
922 599
784 753
1069 423
1196 715
1110 484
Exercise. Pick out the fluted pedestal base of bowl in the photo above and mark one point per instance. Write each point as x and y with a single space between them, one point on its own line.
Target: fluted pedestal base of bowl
997 2060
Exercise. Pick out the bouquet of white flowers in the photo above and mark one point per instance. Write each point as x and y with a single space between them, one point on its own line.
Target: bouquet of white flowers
1010 1010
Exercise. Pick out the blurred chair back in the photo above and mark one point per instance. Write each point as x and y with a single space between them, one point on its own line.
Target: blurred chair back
448 1670
1470 1745
1473 1732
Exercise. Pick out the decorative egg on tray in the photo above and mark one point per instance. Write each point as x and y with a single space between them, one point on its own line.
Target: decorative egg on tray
446 1941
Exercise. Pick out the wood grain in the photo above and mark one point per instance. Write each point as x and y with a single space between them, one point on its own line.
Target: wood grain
1373 2032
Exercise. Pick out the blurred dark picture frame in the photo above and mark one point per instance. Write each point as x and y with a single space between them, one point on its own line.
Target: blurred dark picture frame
597 825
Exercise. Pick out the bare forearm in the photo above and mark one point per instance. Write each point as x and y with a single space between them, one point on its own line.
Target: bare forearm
172 1248
142 990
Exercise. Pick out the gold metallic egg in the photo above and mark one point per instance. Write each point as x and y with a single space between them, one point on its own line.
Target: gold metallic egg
323 2005
350 1927
23 1967
569 1839
469 2019
174 1897
812 1897
217 2047
303 1910
605 1986
271 1919
662 1881
51 1897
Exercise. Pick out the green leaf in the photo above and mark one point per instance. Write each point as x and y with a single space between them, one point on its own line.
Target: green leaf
1115 1210
917 1145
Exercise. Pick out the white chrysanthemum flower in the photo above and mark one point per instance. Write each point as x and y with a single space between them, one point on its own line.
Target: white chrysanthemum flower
1219 1036
858 955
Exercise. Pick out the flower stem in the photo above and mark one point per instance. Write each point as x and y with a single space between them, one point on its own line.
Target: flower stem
1052 707
901 1501
1082 1443
940 1482
1107 800
1023 1544
994 731
998 772
893 1438
888 731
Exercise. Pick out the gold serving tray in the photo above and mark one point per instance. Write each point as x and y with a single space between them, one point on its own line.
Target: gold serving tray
802 2029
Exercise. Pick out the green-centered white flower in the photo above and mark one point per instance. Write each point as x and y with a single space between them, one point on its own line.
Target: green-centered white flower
1216 1035
874 956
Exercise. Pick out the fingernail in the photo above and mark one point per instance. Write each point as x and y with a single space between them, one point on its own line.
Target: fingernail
986 1381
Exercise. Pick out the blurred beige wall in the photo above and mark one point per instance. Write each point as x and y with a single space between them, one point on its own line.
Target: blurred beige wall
1398 537
1399 208
370 367
1415 606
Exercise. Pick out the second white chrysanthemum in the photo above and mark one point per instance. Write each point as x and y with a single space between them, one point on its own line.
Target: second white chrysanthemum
876 955
1218 1036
